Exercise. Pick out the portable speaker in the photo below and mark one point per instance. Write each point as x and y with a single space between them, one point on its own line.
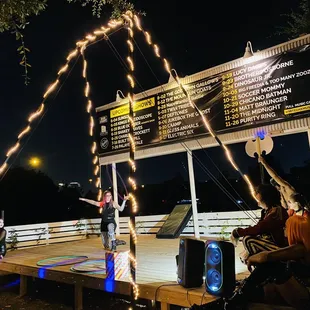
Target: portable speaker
220 277
190 262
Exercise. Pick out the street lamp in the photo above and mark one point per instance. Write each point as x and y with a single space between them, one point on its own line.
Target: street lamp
35 162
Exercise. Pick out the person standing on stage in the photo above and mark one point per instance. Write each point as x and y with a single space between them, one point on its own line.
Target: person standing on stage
108 224
2 239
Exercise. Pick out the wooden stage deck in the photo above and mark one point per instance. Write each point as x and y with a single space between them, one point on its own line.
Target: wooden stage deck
156 273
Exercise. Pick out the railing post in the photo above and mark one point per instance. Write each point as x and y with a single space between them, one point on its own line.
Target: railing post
85 228
47 234
205 223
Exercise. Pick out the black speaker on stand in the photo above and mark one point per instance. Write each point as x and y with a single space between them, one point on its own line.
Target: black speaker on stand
190 262
220 277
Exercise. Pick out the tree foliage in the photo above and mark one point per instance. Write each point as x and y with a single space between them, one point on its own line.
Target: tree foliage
15 14
298 22
118 6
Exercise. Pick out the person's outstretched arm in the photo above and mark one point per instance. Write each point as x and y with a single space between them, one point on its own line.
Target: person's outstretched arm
274 175
92 202
122 206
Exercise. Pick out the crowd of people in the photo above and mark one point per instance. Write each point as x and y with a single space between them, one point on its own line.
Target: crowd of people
276 250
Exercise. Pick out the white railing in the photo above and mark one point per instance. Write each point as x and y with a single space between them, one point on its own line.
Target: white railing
215 225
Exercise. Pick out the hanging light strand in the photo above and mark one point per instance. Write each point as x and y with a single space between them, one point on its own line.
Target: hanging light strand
206 123
90 111
33 116
98 34
128 17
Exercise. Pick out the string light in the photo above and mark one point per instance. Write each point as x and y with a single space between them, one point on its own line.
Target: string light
51 88
36 114
132 122
3 167
13 149
133 165
91 126
130 62
94 148
130 45
84 69
89 106
132 143
89 109
33 116
131 81
91 38
72 55
132 226
133 232
24 132
205 121
63 69
148 37
132 182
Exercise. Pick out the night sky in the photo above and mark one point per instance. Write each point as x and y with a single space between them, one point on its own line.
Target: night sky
193 37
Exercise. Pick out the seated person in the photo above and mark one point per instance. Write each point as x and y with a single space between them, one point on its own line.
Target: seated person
268 233
281 274
2 239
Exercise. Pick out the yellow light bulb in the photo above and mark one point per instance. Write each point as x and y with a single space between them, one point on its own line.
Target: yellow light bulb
35 162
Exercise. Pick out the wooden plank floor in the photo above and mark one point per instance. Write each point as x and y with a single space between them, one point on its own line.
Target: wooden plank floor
156 273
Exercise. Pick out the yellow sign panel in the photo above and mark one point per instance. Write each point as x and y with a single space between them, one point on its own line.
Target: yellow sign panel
138 106
297 110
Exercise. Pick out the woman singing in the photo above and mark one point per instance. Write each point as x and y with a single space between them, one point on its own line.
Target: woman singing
108 224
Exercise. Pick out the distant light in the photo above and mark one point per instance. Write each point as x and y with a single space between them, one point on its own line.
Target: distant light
61 184
260 134
35 162
90 180
142 185
239 201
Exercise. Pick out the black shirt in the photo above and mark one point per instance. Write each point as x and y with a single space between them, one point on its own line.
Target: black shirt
108 213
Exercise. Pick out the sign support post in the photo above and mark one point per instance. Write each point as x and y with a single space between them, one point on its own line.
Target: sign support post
193 192
115 196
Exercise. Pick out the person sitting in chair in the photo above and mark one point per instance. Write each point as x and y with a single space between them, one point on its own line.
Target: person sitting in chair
278 275
108 224
268 233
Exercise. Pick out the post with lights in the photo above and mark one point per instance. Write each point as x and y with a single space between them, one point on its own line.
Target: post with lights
131 138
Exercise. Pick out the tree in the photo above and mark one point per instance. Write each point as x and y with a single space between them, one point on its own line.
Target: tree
298 22
15 15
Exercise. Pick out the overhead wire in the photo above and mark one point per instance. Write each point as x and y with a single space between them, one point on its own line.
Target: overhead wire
149 66
47 108
39 121
218 183
123 63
